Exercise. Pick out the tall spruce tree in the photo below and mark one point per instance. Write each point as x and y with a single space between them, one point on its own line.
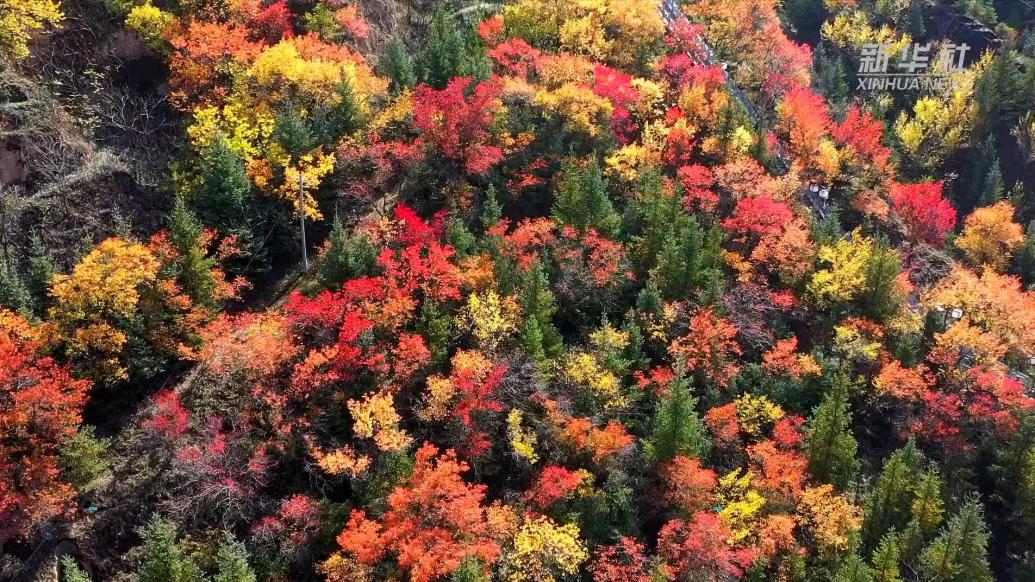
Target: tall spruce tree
347 257
649 219
881 297
689 258
926 515
41 269
888 504
223 188
678 429
337 118
460 237
451 51
232 563
913 19
223 200
853 569
293 132
831 79
995 188
192 269
960 552
582 201
886 559
162 557
400 66
13 293
538 334
829 444
492 212
437 328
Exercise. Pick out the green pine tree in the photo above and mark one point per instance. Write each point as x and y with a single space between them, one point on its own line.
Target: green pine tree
436 326
827 231
881 298
960 552
853 569
888 504
400 66
293 132
222 199
689 258
232 563
634 353
347 257
678 262
671 273
193 268
163 558
223 189
13 293
492 212
336 119
829 444
583 202
41 270
994 189
649 299
926 514
731 117
71 572
650 218
678 429
450 51
462 239
538 334
1001 93
913 19
831 79
1017 196
886 559
85 458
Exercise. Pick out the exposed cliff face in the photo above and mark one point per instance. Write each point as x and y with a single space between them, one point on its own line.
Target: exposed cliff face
85 137
59 183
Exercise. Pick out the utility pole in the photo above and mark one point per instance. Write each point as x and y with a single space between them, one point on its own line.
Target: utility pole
301 217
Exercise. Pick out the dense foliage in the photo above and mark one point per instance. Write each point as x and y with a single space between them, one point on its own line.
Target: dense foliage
575 307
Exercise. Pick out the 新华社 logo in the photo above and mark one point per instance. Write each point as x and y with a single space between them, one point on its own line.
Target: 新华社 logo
885 67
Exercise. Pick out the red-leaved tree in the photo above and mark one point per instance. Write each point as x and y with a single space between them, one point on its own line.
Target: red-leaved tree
40 404
926 215
457 123
699 549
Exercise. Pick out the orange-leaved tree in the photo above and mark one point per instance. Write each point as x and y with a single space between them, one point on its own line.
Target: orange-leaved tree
434 521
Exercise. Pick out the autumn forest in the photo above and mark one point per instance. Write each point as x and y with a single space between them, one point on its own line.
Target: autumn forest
521 291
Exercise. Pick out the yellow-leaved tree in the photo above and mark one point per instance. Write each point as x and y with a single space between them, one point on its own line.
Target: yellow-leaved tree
116 311
940 124
545 552
845 272
990 236
615 31
21 21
